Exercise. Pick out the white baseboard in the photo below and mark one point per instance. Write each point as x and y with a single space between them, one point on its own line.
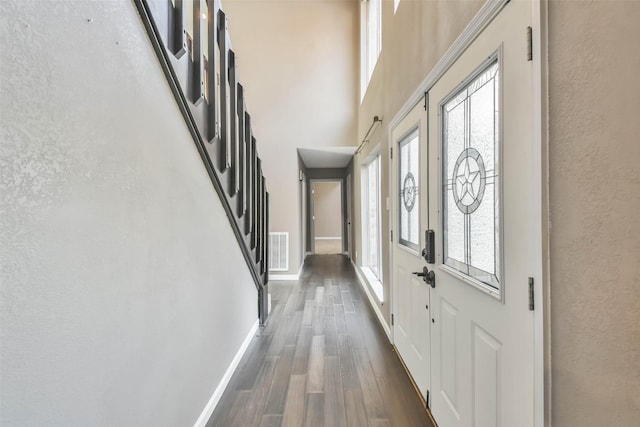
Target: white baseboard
372 301
283 277
287 277
224 382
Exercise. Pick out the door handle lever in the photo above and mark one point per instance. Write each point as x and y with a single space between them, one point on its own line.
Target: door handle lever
428 276
421 273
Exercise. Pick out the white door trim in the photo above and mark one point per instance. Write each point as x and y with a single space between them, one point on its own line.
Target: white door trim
542 378
542 350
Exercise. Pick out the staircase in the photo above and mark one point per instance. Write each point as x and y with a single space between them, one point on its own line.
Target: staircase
192 43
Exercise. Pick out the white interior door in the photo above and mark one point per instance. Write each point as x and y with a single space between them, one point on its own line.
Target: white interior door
410 292
481 209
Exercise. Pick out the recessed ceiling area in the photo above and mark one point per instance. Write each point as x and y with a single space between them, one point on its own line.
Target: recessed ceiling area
329 157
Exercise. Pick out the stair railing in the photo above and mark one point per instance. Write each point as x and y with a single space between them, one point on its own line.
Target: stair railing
192 43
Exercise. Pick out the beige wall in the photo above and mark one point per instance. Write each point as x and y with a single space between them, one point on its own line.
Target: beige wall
298 63
594 152
327 209
594 187
413 40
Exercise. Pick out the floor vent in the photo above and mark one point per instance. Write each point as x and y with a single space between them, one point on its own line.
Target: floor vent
279 251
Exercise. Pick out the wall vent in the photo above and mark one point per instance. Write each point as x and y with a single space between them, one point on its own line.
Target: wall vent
279 251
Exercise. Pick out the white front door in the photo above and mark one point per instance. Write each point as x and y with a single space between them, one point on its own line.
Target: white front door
480 188
410 292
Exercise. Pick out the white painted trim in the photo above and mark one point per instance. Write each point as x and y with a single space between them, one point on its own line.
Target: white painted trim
224 382
484 16
329 238
289 277
283 277
372 301
542 352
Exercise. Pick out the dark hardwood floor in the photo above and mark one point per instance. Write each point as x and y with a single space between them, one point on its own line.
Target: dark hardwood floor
321 360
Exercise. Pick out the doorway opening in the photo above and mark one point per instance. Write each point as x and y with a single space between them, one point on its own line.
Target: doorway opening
326 216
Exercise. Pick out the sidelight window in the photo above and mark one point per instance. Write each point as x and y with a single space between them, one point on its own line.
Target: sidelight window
371 215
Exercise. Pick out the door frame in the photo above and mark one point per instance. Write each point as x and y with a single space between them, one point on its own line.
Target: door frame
312 217
539 8
420 125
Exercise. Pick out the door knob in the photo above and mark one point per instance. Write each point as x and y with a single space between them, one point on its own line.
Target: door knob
428 276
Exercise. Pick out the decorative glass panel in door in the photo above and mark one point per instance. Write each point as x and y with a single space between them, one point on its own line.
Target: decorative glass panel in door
409 200
471 196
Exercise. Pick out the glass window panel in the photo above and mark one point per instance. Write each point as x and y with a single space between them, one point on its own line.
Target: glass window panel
482 251
454 231
373 217
454 134
471 223
409 200
482 127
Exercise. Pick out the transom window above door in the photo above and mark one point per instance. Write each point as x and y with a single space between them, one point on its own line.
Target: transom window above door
471 171
409 191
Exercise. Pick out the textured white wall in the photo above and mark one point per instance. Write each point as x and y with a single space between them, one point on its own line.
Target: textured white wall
298 63
118 264
594 153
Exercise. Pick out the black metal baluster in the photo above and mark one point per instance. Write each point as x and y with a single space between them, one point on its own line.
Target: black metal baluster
267 255
250 171
225 153
263 237
233 122
241 150
197 65
213 58
259 221
254 190
177 28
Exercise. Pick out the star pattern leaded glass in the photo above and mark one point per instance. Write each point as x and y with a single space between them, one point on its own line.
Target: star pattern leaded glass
409 171
470 164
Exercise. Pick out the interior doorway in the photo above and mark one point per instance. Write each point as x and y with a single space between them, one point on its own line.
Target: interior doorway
326 216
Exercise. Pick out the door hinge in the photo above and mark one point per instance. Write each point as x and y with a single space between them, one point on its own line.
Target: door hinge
529 44
391 232
391 152
427 400
426 101
531 304
392 320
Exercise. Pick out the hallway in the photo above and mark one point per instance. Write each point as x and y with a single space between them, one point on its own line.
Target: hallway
322 360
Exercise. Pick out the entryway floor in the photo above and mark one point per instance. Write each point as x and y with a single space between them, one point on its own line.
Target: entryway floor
321 360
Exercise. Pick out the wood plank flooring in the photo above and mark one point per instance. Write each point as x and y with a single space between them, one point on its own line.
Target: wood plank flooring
321 360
